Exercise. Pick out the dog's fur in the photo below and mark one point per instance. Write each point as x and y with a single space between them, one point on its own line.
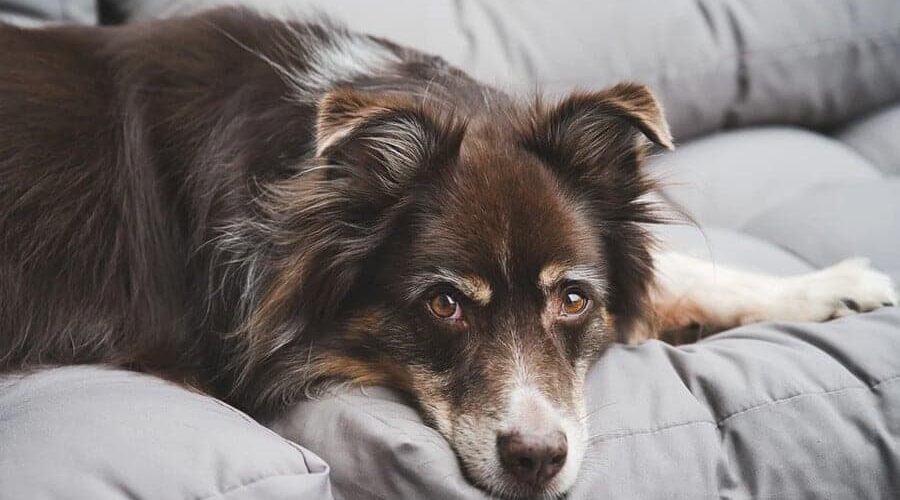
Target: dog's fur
261 208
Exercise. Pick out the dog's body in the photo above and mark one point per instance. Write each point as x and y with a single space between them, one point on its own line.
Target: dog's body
261 207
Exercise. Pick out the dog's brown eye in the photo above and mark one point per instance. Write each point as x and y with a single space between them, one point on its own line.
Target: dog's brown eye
444 306
574 302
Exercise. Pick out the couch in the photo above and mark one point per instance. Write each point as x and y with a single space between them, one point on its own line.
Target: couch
787 118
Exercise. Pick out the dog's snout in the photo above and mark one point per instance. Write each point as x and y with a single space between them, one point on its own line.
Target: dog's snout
533 458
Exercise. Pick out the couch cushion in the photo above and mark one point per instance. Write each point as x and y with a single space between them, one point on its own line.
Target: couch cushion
764 411
729 178
97 433
731 248
714 63
833 222
36 12
876 138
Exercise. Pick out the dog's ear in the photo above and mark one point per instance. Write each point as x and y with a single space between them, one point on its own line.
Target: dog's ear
588 131
596 142
322 224
382 141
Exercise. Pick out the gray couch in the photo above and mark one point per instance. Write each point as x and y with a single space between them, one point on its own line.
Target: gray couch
788 118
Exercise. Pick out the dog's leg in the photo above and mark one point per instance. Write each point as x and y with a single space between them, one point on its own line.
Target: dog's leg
690 292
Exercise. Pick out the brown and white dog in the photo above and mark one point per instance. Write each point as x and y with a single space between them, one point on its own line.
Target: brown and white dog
263 208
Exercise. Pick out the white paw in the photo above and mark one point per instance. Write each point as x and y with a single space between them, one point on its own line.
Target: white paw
849 287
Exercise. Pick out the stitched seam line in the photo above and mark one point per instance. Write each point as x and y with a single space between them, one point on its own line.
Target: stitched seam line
231 489
616 437
872 387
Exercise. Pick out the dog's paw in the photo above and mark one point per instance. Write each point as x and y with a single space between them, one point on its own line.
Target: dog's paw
849 287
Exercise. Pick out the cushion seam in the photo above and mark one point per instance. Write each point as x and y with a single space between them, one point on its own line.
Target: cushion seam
785 399
643 432
235 487
719 423
706 67
252 421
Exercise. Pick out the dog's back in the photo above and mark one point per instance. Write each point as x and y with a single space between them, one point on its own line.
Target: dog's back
85 274
126 158
101 131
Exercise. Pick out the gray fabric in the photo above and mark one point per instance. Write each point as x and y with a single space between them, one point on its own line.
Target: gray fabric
729 178
877 137
37 12
730 248
715 63
765 411
779 411
839 221
95 433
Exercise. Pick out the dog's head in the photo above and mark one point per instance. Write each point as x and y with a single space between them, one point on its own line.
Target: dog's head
479 263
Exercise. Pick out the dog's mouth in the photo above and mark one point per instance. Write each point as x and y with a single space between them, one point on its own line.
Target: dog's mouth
533 450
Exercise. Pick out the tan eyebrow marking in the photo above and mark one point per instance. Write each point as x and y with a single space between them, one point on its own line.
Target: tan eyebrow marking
550 275
474 287
553 273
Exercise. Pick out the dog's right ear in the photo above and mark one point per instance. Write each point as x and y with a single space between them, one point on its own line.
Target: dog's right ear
382 141
322 224
369 149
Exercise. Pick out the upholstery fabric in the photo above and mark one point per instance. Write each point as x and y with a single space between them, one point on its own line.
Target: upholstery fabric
764 411
37 12
715 63
95 433
875 137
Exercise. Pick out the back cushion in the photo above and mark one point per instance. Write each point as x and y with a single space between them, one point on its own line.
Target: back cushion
38 12
717 64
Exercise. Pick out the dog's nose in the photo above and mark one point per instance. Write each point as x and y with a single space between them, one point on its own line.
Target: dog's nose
533 458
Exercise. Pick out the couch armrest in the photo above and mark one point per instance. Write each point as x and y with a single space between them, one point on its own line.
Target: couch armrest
99 433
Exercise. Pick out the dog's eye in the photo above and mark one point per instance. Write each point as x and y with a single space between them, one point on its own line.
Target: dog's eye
444 306
574 302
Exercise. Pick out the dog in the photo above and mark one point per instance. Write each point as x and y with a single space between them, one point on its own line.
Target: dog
264 208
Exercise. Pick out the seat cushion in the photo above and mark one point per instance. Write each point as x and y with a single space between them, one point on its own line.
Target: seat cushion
764 411
727 247
729 178
786 191
833 222
875 137
98 433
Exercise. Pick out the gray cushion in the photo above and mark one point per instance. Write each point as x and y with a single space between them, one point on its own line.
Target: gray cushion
783 191
37 12
731 248
715 64
727 179
765 411
837 221
95 433
876 138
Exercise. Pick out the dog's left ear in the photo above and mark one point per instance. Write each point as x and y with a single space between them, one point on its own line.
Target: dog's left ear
596 142
597 130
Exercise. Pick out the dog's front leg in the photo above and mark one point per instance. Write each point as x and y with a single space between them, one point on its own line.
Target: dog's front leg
690 292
